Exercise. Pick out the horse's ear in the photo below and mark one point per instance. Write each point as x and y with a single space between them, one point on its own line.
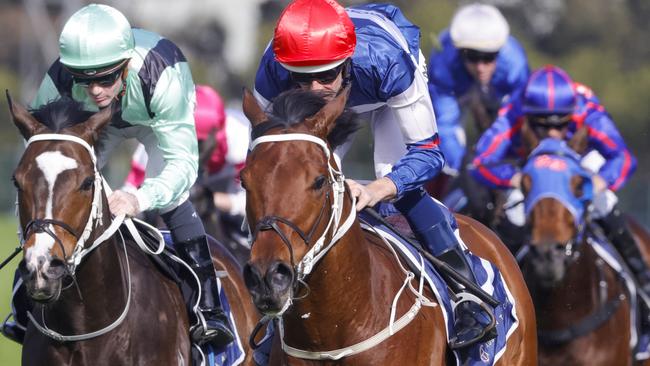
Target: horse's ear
579 140
89 130
252 109
529 137
526 184
576 183
322 123
26 123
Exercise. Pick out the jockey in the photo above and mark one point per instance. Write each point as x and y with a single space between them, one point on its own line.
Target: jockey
479 65
375 49
102 61
554 106
231 134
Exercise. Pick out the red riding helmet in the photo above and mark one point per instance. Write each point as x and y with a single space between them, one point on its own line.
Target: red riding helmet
313 36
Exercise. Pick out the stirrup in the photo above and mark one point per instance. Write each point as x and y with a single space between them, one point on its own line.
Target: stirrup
201 334
489 331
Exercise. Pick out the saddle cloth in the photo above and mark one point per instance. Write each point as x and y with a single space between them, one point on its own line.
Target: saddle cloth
490 280
639 335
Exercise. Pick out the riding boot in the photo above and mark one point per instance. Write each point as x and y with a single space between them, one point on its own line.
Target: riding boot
196 253
471 323
620 236
433 230
15 330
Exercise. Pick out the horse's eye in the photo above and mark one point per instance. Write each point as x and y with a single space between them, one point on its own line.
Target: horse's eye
319 182
87 184
15 182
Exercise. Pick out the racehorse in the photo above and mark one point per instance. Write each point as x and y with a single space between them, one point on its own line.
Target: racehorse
99 299
582 306
334 298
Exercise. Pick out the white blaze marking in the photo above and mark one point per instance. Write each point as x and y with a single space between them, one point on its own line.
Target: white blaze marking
51 163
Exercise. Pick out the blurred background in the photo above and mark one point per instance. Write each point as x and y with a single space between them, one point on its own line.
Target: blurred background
601 43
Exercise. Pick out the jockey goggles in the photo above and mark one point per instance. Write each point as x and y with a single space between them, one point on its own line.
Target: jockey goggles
103 78
550 121
323 77
474 56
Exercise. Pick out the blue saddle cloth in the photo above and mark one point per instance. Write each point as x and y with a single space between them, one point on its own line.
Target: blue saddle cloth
639 335
231 355
491 281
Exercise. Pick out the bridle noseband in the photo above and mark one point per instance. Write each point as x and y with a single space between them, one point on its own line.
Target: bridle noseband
271 223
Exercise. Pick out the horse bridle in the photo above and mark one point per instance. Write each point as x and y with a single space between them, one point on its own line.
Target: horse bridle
271 223
335 229
95 218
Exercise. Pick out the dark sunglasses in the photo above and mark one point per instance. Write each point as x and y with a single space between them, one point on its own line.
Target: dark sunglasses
103 81
323 77
552 121
474 56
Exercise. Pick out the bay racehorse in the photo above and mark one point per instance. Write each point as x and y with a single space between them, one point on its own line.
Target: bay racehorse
582 306
98 298
334 298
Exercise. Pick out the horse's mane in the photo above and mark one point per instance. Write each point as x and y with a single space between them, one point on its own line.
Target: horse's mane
294 105
61 113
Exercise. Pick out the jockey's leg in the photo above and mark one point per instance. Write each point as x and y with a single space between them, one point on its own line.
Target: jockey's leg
192 246
430 226
611 219
20 305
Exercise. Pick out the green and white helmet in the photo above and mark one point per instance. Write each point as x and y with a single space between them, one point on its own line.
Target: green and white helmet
95 38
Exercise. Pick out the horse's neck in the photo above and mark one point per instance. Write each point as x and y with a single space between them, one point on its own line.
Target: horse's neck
577 294
340 293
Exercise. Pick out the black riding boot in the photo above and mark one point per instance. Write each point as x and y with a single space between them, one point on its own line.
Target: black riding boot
619 234
21 304
196 253
471 323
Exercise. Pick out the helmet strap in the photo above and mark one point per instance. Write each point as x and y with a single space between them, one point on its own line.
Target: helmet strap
346 74
125 73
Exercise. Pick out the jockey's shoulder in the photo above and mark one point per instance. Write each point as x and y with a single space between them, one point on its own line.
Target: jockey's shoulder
583 90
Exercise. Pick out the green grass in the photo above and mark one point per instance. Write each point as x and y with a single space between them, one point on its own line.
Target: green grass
9 350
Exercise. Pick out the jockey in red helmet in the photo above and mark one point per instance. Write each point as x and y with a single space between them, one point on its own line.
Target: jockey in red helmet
319 45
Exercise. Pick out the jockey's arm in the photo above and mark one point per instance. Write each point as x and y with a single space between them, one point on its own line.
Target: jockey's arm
417 122
173 104
619 164
491 148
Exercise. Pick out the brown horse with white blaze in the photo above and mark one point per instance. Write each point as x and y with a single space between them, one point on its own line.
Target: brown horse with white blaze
98 298
331 282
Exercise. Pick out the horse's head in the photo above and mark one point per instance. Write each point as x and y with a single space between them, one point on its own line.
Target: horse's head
556 190
294 190
56 180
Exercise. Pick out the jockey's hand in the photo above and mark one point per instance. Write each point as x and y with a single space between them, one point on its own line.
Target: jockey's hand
598 183
379 190
515 181
222 201
121 202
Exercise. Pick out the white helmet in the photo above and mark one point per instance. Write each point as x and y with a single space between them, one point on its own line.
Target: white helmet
479 27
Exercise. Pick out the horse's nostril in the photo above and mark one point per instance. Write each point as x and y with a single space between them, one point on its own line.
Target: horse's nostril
56 269
280 276
252 277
